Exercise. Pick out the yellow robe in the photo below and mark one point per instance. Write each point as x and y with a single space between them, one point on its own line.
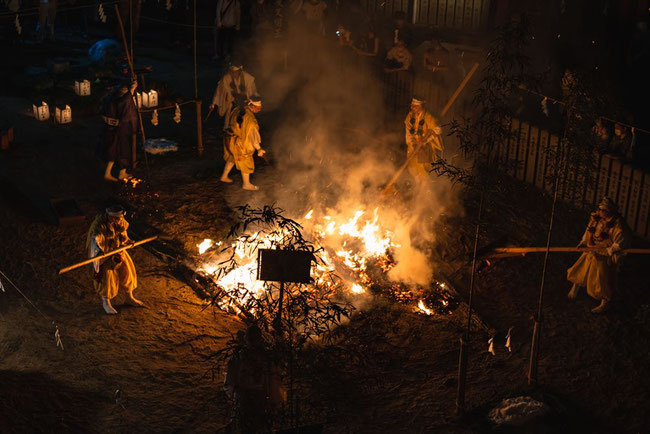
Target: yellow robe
240 146
595 271
421 126
109 277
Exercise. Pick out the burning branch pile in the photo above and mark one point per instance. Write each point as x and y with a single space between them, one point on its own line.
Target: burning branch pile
353 259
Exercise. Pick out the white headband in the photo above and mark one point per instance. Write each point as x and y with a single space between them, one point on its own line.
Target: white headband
417 101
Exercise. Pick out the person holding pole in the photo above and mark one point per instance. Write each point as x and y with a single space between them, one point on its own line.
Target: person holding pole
120 117
597 270
110 274
422 139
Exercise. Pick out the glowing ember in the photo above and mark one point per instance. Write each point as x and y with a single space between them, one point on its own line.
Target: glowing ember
423 309
132 181
357 289
205 245
309 214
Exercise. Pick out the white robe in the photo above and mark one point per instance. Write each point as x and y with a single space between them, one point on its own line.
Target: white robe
223 95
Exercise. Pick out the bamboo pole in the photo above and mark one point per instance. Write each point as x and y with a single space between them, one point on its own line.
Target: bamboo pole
133 77
105 255
199 128
515 251
453 98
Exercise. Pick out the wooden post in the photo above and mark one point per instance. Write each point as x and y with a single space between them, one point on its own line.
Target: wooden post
462 369
199 128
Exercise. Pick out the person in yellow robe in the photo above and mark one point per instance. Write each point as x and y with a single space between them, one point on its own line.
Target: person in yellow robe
241 141
107 233
234 89
597 271
421 129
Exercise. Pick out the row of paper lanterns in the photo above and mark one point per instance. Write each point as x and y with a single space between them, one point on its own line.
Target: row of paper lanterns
82 88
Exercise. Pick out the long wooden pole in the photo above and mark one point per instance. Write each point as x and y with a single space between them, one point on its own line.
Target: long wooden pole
515 251
105 255
451 101
133 77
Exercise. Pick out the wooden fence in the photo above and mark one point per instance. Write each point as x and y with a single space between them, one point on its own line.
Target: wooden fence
527 153
445 14
531 149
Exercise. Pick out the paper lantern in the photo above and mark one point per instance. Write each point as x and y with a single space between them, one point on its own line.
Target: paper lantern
42 112
63 116
82 88
150 99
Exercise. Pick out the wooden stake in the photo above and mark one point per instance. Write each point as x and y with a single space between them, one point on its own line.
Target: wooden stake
199 127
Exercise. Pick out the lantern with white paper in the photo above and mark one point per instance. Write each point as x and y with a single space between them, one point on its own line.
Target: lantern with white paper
42 112
82 88
63 116
150 99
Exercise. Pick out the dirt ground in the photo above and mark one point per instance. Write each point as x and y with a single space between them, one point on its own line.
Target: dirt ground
393 371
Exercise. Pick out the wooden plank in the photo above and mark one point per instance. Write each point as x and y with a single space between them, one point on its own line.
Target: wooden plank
603 177
614 180
449 16
635 199
442 13
533 152
624 189
644 208
524 132
542 159
513 143
432 13
467 14
459 13
549 176
485 14
476 14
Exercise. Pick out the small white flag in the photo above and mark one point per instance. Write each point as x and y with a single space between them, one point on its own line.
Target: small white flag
19 28
177 114
508 343
101 13
57 337
2 288
491 346
545 106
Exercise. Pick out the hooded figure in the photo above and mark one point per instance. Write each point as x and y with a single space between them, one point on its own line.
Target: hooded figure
597 270
120 117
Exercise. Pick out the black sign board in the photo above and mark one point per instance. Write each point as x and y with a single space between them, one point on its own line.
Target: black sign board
284 265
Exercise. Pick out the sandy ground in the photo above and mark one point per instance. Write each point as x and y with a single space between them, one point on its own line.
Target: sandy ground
392 372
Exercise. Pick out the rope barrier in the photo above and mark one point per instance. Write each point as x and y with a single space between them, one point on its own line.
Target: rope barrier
557 101
168 107
36 12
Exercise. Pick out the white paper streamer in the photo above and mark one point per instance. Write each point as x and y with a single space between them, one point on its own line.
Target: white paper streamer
19 28
508 343
101 13
154 118
177 114
491 346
